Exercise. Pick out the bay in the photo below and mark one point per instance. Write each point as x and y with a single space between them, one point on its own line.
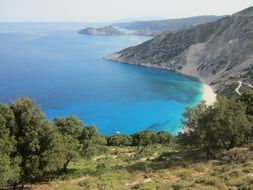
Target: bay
64 72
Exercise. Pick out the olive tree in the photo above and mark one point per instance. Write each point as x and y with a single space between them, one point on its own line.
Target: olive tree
9 164
144 138
221 126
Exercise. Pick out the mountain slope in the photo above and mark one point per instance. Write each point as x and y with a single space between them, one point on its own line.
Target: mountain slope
218 53
156 27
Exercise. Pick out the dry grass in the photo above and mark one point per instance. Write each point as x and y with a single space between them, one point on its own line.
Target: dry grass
153 168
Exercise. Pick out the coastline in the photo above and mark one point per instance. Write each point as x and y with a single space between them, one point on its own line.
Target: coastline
208 94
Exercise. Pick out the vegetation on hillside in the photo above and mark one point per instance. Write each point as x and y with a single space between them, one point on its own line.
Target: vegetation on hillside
34 149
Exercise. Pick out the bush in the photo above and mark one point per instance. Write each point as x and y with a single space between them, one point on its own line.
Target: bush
119 140
144 138
208 180
164 137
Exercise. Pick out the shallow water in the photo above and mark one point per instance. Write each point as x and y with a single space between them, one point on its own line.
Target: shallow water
65 73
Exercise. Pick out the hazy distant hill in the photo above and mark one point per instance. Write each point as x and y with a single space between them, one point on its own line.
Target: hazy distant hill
220 53
156 27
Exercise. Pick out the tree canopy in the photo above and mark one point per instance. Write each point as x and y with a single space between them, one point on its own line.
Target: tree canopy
221 126
33 148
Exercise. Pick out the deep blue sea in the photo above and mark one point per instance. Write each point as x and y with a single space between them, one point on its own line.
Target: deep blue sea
66 74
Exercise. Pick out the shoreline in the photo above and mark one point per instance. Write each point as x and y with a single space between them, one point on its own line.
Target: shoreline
208 94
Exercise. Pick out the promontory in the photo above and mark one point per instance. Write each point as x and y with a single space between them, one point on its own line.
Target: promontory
107 31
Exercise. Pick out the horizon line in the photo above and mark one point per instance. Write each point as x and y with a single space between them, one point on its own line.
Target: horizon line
109 21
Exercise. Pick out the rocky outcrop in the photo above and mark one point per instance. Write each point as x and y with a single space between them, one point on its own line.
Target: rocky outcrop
107 30
218 53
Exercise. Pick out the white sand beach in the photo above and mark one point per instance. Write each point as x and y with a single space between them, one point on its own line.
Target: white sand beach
208 95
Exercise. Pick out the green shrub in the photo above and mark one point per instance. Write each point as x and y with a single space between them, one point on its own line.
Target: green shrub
240 183
185 175
208 180
182 185
164 137
119 140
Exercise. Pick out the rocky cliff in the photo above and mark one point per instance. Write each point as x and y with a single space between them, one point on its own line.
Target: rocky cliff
107 30
219 53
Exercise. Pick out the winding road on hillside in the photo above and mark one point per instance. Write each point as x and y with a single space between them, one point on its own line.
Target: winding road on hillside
240 85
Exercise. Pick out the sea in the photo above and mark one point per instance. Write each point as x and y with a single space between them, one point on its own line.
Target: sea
65 74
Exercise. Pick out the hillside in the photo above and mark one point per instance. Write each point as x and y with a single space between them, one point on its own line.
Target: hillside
107 30
219 53
155 167
157 27
66 154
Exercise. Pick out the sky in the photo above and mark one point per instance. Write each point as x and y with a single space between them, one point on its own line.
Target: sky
111 10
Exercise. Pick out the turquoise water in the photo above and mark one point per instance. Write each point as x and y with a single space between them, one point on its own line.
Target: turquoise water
65 73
